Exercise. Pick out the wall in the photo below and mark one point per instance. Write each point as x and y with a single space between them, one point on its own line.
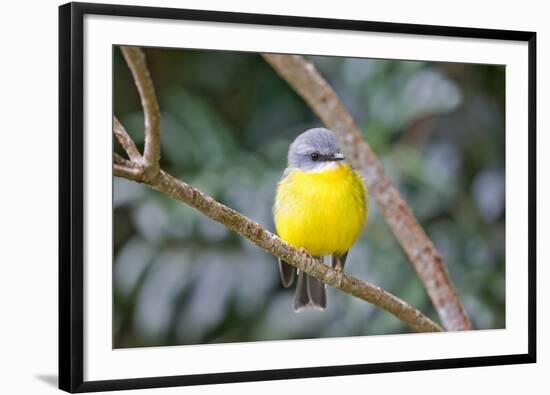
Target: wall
29 35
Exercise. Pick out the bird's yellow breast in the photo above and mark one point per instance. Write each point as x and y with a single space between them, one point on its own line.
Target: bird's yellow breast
322 212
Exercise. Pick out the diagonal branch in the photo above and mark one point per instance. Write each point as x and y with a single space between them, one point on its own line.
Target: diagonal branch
135 58
427 261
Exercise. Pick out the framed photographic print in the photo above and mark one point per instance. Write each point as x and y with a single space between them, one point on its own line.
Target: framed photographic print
250 197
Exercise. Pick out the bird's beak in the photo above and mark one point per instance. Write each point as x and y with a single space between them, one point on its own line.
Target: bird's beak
337 157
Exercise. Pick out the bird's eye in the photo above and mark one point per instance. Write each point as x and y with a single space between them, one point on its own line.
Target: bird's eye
315 156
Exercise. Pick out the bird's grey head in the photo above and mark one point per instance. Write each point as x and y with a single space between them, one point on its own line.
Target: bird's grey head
314 150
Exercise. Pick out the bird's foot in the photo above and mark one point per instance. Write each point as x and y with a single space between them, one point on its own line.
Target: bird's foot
338 267
304 254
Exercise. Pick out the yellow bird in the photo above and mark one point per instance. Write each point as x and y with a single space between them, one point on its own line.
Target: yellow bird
320 206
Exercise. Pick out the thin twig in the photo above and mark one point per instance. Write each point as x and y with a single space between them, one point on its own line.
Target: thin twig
126 141
120 160
427 261
131 173
135 58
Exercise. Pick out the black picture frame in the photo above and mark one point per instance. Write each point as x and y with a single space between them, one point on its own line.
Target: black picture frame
71 198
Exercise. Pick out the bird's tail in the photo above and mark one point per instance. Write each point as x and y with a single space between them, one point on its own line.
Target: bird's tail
287 273
310 292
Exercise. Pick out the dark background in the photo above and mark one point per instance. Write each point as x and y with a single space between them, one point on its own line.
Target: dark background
227 121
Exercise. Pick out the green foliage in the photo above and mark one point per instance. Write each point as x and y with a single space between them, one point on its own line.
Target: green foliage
227 121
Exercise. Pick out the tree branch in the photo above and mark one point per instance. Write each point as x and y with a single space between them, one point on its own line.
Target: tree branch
126 141
239 223
131 173
119 160
428 263
135 58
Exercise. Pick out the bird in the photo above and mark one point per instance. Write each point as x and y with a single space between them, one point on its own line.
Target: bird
321 206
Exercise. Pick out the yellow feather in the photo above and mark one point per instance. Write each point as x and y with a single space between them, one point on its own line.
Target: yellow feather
322 212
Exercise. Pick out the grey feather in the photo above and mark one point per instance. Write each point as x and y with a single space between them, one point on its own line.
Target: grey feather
287 273
316 292
301 298
320 141
310 292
